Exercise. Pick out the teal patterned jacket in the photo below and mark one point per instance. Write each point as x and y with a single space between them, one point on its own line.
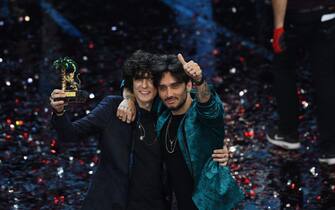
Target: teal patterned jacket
203 129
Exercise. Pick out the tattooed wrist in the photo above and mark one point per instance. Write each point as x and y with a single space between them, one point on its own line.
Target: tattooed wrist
203 92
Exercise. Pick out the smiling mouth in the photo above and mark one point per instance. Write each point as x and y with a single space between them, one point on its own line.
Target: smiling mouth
144 92
170 101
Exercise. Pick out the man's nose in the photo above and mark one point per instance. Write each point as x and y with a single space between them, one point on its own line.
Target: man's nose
168 92
144 83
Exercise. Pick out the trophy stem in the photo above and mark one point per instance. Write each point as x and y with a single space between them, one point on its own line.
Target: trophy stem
63 80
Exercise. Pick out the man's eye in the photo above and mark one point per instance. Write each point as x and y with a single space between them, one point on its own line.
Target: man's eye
161 88
176 85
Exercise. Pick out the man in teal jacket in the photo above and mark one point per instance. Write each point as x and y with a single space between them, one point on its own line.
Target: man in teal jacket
189 130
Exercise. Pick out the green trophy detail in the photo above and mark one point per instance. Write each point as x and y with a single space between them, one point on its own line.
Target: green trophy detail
70 82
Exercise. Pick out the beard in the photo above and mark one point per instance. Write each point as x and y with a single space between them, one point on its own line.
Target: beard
181 103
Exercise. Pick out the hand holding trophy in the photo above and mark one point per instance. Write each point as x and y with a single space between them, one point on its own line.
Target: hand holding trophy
70 85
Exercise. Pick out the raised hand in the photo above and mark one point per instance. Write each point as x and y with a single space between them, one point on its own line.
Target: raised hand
191 68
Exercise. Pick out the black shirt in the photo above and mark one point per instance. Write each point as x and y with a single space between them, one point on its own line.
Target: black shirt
296 5
146 186
178 173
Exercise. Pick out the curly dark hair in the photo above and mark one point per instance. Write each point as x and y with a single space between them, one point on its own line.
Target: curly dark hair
168 63
137 66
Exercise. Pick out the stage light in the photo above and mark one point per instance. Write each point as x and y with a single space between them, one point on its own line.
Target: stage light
232 70
30 80
233 9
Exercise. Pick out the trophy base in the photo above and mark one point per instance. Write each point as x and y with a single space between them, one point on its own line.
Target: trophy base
70 94
79 96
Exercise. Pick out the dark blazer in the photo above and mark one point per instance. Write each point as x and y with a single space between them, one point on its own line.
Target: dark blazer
109 186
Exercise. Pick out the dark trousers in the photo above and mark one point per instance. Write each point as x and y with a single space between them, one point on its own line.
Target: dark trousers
306 31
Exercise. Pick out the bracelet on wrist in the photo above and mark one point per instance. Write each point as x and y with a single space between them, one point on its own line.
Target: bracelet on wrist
198 83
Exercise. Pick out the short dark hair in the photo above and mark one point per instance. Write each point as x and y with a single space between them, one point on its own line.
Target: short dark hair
168 63
137 66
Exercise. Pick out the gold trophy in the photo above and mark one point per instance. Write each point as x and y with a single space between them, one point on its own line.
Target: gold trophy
70 82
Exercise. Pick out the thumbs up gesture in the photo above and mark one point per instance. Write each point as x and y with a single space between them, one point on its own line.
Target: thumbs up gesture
192 69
